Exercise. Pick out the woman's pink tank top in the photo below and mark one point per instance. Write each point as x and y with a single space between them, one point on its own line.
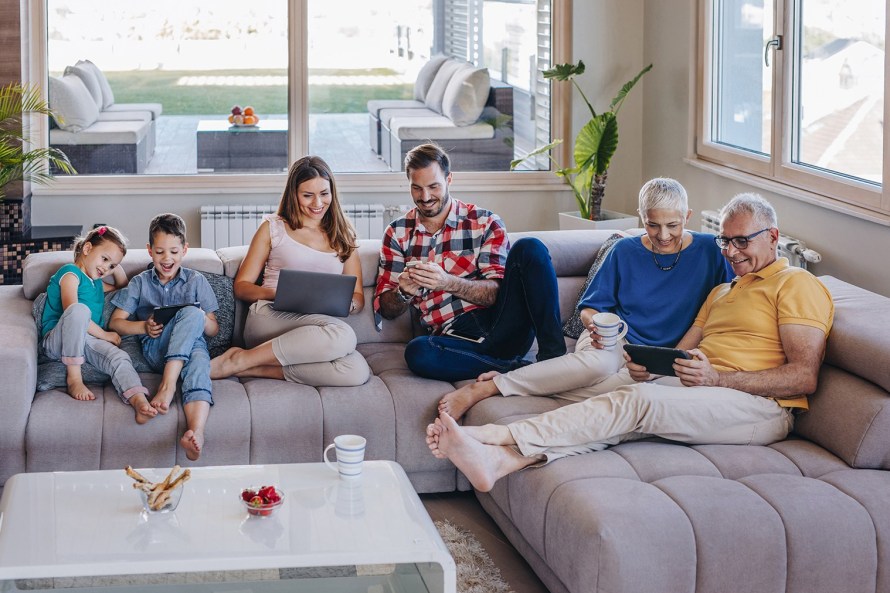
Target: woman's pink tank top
293 255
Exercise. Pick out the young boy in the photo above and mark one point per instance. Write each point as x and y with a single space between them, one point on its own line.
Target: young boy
177 347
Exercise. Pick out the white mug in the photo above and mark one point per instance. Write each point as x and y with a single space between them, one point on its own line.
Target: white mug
610 329
350 449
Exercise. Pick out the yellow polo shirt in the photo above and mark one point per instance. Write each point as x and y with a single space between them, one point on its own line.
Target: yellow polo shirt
741 320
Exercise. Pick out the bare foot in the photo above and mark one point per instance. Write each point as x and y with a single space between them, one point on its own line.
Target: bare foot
79 391
482 464
432 438
487 376
223 367
144 410
456 403
161 400
192 442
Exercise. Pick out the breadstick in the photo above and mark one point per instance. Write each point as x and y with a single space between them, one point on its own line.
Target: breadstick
180 479
163 485
135 475
160 500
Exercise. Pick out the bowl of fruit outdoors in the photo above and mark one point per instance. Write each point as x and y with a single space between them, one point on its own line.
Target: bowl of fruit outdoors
243 118
261 501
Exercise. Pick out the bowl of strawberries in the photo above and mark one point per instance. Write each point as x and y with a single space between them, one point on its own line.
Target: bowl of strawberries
261 501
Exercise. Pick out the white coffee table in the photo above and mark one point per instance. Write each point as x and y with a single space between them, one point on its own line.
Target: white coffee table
87 530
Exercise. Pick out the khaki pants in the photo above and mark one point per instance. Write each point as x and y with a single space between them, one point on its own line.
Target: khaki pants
664 408
576 376
313 350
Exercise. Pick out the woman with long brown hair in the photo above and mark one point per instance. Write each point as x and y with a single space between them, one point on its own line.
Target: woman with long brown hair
309 232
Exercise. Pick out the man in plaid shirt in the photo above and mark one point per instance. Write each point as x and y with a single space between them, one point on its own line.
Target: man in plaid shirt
481 307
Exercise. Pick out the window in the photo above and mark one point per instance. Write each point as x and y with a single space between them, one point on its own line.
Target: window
204 89
793 91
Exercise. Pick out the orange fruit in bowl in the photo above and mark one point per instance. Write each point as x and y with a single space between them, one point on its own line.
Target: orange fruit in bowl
247 111
249 120
231 119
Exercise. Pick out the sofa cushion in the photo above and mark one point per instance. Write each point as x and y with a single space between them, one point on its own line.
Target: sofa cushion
71 103
154 108
426 76
573 326
225 315
102 132
437 127
436 92
107 94
89 80
375 106
466 94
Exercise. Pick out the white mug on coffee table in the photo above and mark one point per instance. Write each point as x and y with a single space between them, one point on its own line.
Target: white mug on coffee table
350 450
610 329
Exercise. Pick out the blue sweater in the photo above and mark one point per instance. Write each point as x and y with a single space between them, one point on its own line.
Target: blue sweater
658 306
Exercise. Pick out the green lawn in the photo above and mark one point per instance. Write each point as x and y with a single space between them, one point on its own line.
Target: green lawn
160 86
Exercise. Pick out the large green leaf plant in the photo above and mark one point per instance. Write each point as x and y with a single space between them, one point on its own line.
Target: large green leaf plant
16 102
595 144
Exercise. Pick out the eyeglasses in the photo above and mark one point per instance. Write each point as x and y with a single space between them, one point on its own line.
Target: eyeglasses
737 242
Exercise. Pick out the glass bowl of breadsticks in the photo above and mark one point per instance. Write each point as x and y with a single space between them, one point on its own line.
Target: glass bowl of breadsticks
161 496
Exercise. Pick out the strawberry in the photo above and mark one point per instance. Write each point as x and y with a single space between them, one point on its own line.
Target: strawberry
247 494
256 501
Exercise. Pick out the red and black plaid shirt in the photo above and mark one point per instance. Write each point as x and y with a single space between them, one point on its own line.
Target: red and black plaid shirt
471 244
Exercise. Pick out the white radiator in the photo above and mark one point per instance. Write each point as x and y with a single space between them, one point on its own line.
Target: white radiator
794 249
228 226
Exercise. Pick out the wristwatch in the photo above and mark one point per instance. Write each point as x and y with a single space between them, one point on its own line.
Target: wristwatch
404 296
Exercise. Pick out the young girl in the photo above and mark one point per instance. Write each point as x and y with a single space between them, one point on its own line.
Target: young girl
310 233
70 329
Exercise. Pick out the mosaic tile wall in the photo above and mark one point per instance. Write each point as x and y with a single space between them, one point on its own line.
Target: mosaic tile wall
12 249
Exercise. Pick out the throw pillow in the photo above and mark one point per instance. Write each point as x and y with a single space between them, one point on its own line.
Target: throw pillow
107 94
436 93
89 80
71 103
573 327
426 76
222 287
465 95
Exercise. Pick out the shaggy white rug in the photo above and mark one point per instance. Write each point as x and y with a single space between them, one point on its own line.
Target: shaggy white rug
476 573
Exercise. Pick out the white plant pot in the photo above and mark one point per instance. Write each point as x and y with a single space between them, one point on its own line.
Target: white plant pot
619 221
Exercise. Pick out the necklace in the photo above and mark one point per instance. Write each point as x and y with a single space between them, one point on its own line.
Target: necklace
665 268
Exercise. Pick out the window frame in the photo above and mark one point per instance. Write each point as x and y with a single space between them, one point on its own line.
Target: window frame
777 172
34 19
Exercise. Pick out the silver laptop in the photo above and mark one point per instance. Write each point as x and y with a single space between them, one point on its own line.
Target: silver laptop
314 292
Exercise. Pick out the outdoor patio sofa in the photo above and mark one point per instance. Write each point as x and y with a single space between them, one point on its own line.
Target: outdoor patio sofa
456 105
808 514
98 135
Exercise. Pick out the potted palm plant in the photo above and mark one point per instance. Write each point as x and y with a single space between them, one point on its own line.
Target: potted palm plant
595 145
17 164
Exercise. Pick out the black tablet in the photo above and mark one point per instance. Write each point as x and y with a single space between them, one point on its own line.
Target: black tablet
163 315
657 360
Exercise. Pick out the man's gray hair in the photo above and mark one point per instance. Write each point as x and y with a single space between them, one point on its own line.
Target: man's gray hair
663 193
754 204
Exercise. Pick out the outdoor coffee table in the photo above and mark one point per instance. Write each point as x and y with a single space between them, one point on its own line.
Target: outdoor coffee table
224 147
87 530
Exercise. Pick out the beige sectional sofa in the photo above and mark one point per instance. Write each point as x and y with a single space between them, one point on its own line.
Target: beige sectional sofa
808 514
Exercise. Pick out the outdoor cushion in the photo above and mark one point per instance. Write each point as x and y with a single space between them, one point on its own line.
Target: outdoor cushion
89 80
436 94
72 103
125 116
437 127
426 76
107 94
466 94
102 132
154 108
386 115
375 106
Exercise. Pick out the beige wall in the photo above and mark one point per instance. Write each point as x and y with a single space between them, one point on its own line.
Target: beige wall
852 249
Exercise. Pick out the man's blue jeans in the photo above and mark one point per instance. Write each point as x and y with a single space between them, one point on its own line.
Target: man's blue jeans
527 306
183 339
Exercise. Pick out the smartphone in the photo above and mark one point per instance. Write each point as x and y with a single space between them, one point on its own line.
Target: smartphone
163 315
657 360
458 334
412 263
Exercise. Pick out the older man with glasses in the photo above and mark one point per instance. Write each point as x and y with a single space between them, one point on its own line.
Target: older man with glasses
757 346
